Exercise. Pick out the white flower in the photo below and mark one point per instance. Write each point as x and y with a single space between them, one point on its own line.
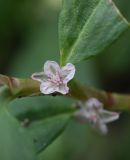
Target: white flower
92 112
55 78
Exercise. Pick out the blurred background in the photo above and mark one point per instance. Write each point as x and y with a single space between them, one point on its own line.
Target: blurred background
29 37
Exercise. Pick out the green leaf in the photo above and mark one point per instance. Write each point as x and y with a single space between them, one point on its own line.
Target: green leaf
86 27
44 132
15 143
43 117
38 108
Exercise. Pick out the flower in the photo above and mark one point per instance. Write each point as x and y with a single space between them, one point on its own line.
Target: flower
92 112
55 78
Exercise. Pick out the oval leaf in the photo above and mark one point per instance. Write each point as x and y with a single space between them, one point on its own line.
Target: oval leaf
86 27
44 132
44 118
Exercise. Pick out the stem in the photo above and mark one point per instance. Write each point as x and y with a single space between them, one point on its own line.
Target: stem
111 101
20 87
28 87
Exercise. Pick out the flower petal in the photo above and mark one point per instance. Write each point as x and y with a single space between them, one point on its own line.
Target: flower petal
107 116
82 116
51 68
101 128
93 103
39 76
47 88
68 72
63 89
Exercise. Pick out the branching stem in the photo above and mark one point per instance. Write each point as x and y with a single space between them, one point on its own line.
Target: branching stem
27 87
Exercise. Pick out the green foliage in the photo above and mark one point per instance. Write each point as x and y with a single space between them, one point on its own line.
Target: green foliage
46 131
49 116
86 27
15 142
43 120
37 125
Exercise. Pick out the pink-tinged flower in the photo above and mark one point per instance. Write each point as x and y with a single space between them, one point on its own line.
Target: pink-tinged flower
55 78
92 112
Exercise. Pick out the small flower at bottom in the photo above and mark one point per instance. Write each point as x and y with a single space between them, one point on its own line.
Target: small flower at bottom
55 78
92 112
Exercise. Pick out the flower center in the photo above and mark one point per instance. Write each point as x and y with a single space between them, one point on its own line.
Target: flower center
55 78
93 118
